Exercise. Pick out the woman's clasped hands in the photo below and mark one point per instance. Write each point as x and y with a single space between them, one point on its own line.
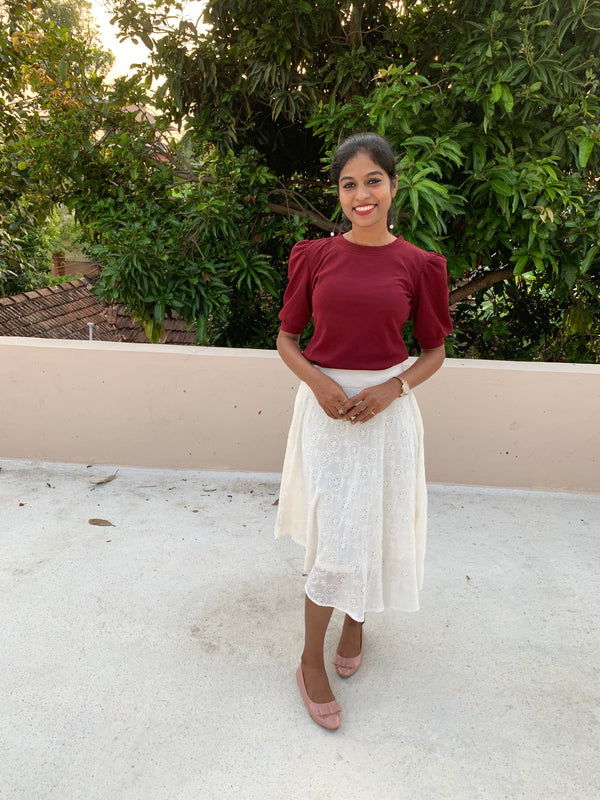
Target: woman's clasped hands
369 402
361 407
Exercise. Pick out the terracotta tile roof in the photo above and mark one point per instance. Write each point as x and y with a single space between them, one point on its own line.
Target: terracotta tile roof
63 312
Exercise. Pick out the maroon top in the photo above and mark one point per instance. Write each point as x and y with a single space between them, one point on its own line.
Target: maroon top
361 297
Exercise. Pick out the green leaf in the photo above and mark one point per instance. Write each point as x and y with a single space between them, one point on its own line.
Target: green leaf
413 193
521 264
420 140
569 275
500 187
507 99
586 145
146 40
589 257
478 156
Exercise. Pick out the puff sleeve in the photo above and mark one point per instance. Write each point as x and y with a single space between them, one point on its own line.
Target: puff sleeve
430 312
297 300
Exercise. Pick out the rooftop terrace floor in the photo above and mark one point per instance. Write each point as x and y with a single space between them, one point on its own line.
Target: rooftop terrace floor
155 659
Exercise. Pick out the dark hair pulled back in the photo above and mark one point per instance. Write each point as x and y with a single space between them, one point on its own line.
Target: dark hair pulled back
375 146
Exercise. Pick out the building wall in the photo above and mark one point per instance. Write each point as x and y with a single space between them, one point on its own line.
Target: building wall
487 423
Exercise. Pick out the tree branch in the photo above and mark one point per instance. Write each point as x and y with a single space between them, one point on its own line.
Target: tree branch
477 284
296 199
319 220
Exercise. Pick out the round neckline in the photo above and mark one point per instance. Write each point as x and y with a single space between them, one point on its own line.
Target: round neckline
369 246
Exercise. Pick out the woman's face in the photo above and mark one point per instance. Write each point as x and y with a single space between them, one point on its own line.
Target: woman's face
366 192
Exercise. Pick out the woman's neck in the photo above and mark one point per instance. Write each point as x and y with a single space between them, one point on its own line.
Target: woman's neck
369 238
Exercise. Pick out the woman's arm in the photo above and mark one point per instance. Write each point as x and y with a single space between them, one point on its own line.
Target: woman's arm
426 365
375 398
329 394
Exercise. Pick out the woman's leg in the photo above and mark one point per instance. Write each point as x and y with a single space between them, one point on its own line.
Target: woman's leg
350 643
316 620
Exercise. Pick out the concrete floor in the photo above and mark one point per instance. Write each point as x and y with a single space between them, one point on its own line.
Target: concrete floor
155 659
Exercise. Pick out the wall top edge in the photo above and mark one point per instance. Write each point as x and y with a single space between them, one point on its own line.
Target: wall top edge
30 342
233 352
521 366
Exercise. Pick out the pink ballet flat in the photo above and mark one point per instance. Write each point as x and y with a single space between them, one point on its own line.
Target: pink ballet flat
327 715
345 667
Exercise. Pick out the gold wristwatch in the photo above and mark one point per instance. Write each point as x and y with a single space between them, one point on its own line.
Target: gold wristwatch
404 384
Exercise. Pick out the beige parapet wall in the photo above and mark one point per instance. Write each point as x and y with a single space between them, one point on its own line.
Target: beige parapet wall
487 423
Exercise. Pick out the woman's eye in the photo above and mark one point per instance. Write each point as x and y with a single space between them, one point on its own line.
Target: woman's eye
352 184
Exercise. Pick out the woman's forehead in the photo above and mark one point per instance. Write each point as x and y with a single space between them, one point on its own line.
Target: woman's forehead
360 164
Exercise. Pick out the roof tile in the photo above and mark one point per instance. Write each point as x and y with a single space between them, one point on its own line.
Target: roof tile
64 310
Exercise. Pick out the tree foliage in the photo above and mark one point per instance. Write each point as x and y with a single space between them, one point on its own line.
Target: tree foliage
492 106
76 16
47 76
499 136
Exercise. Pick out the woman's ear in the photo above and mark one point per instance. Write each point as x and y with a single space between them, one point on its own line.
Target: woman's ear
394 186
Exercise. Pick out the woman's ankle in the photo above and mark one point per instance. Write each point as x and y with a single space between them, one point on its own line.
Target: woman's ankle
312 661
351 625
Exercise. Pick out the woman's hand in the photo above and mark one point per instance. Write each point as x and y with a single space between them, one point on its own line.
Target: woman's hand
367 404
371 401
329 395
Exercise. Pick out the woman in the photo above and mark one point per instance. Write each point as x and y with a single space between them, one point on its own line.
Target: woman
353 485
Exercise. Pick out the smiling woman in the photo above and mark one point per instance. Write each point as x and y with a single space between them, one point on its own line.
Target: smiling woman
354 495
366 192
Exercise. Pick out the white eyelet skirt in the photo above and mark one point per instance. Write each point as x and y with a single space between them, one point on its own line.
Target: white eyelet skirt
354 496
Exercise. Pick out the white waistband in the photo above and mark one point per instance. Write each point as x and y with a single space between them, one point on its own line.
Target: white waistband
359 378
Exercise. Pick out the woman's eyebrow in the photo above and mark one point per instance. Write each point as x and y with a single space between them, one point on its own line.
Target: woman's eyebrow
351 178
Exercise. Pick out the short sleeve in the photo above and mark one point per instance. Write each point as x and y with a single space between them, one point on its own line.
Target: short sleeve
297 300
430 311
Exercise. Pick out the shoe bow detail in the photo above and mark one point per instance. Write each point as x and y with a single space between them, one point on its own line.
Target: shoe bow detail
325 709
346 667
346 663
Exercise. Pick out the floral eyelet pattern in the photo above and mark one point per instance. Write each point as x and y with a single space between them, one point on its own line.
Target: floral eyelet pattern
362 489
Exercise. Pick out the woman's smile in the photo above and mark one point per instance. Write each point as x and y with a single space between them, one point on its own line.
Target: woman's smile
364 209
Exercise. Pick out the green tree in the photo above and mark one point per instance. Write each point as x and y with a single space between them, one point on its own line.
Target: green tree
48 84
244 92
76 16
493 107
499 132
162 235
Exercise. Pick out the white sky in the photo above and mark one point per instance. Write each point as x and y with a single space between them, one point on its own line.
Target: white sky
127 53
